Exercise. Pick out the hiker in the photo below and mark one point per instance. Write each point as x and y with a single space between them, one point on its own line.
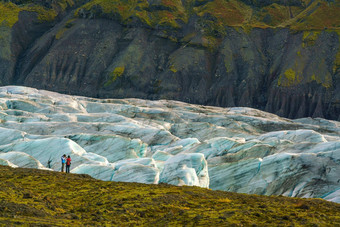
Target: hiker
68 164
63 161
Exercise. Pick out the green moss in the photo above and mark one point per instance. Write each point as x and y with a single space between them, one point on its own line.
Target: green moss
173 69
290 75
325 81
64 4
126 10
117 72
44 15
210 42
328 82
9 13
67 26
213 16
60 33
309 38
69 23
336 64
316 78
289 78
174 13
313 77
35 197
294 76
188 37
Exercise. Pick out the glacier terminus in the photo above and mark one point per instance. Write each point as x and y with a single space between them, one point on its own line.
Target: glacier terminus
235 149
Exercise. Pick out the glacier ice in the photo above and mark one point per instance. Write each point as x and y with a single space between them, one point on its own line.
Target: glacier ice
333 196
186 169
47 149
9 135
99 171
5 162
21 159
113 147
236 149
161 155
135 172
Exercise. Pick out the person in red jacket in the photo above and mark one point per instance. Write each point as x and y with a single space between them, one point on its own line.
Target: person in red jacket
68 164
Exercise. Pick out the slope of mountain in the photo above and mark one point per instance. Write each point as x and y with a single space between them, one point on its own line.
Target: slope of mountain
36 197
279 56
231 149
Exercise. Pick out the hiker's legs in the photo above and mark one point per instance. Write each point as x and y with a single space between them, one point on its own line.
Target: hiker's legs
67 168
62 167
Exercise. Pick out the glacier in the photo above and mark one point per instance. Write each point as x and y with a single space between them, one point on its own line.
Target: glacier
236 149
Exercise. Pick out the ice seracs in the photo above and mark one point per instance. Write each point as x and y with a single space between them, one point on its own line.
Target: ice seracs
186 169
21 159
235 149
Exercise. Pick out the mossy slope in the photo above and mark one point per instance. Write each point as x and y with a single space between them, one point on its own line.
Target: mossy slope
46 12
29 196
297 15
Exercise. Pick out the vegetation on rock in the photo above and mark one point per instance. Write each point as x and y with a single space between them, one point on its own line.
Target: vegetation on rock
212 17
46 12
298 15
30 196
117 72
9 14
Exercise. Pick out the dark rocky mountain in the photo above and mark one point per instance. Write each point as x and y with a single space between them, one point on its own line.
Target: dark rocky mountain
278 56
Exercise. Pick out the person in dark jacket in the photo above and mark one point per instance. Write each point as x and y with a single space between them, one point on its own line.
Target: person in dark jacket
68 164
63 161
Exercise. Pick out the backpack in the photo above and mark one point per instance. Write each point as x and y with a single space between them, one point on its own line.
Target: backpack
68 162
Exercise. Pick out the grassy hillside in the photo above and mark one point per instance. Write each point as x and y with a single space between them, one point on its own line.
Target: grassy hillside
213 14
52 198
210 17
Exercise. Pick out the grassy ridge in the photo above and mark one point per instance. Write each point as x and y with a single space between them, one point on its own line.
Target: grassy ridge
211 17
307 15
302 15
29 196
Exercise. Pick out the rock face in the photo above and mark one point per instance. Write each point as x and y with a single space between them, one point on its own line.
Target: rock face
288 67
233 149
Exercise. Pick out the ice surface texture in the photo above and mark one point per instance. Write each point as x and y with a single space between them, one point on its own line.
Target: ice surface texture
133 140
